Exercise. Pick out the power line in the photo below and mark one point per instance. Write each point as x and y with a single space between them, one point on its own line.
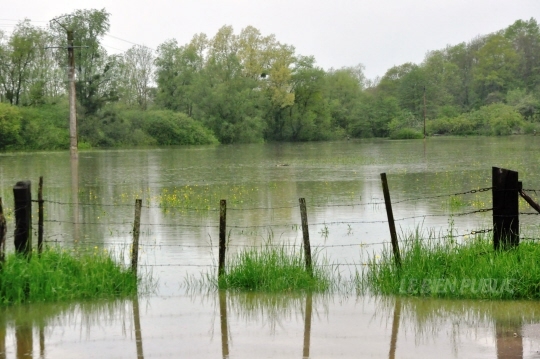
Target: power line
129 42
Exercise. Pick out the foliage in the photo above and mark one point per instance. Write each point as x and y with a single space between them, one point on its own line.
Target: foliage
496 119
45 127
249 87
10 124
173 128
406 134
117 127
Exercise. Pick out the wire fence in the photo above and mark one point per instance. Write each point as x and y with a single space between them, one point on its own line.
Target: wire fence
64 238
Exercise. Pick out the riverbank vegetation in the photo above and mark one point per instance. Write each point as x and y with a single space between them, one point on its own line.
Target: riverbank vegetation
447 269
249 87
63 275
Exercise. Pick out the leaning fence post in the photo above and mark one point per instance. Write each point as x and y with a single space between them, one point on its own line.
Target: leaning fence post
506 188
305 232
23 218
222 235
391 223
136 231
40 215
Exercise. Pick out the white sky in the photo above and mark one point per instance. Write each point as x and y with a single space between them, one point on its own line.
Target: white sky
376 33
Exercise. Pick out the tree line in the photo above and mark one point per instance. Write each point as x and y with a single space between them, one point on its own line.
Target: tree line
249 87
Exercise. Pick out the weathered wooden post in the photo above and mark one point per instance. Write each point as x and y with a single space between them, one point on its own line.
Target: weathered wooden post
222 236
305 232
3 232
505 194
391 223
136 231
40 215
23 218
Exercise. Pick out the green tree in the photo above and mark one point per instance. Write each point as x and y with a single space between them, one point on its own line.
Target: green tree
525 38
17 61
97 73
137 73
496 68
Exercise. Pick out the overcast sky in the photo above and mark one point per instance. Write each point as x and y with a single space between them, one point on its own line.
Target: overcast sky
377 33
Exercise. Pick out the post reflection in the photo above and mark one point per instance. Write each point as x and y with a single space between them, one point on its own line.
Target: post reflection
23 336
138 332
224 325
2 336
395 328
509 340
307 325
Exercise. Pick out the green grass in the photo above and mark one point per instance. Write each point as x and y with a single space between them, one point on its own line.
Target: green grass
450 269
62 275
274 268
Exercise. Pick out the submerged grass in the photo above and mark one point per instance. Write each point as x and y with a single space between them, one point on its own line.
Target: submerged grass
60 275
274 268
450 269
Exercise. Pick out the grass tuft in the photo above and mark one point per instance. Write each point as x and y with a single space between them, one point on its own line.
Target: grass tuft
273 268
450 269
62 275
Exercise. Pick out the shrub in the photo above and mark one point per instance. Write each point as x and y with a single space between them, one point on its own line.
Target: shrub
10 125
406 134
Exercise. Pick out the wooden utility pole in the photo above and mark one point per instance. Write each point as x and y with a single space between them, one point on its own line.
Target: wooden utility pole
73 147
424 111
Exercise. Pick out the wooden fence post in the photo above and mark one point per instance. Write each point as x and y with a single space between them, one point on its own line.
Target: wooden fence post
23 218
136 231
305 232
391 223
3 232
506 188
40 216
222 236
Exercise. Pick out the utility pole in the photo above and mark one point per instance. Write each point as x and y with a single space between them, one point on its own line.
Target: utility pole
424 111
73 146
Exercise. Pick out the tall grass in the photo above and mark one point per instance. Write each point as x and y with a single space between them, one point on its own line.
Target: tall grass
60 275
451 269
274 268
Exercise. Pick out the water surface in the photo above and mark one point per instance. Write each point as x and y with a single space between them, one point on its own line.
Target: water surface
91 203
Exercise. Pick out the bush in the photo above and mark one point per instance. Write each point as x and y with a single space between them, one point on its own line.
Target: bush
406 134
45 127
10 125
175 128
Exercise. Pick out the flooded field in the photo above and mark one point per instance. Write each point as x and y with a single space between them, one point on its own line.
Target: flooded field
91 203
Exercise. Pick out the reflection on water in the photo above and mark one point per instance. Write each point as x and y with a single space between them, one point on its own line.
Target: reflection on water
43 323
251 323
224 325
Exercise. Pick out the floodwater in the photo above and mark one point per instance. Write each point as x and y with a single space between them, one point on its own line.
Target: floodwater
90 202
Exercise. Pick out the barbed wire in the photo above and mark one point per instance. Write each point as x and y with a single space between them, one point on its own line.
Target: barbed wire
215 209
444 195
277 245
